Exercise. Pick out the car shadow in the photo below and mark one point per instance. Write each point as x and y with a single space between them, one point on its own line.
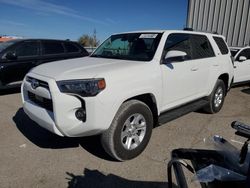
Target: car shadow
96 179
45 139
10 91
246 91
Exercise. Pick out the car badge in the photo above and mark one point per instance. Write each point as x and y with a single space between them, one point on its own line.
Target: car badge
34 84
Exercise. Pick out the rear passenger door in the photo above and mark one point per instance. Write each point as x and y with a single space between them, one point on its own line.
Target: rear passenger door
203 57
242 68
52 51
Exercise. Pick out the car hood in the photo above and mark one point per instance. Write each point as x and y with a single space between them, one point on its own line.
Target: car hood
82 68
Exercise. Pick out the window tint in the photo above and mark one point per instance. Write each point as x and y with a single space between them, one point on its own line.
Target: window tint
245 53
196 46
52 47
221 44
234 52
27 49
201 47
71 48
181 42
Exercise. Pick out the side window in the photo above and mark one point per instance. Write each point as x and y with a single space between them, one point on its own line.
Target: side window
221 44
245 53
27 49
201 47
178 41
52 47
71 48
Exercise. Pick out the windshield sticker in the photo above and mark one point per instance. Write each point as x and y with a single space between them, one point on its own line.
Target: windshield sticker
148 35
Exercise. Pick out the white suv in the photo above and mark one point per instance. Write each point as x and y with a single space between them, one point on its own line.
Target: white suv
131 83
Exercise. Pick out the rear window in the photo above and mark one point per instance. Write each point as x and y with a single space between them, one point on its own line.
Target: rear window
51 48
221 44
71 48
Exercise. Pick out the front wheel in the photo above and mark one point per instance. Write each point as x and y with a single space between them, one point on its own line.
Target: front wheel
129 132
216 99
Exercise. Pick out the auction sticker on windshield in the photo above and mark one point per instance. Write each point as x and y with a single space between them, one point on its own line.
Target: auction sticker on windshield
148 35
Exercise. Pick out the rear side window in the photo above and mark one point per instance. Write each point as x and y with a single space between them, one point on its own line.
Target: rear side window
71 48
201 47
27 49
52 47
221 44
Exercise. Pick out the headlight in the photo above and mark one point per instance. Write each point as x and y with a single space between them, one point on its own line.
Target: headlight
84 88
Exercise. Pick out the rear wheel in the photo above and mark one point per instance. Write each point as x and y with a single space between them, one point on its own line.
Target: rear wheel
129 132
216 99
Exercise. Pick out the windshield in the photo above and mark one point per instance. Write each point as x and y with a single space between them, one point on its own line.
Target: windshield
4 45
131 46
234 51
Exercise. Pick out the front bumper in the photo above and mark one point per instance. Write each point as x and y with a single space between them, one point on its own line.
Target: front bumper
62 120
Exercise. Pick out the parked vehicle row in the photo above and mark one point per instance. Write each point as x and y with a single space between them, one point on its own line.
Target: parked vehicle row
17 57
131 83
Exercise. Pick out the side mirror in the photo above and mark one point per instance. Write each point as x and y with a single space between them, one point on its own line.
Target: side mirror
175 55
11 56
242 58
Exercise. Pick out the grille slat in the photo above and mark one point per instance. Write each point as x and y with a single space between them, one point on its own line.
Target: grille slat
40 82
41 101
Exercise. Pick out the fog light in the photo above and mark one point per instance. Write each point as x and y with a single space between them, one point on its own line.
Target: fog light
81 114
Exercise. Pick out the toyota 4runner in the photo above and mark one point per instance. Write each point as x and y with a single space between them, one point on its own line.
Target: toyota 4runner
131 83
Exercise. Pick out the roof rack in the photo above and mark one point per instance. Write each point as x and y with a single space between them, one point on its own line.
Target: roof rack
188 29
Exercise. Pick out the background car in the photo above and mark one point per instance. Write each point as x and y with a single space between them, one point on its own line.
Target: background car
17 57
241 64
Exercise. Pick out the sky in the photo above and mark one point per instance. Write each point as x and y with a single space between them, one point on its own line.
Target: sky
66 19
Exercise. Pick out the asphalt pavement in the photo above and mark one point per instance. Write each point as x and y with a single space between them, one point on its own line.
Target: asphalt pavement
33 157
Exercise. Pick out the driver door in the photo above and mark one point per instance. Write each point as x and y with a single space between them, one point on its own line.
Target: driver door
179 77
242 68
27 54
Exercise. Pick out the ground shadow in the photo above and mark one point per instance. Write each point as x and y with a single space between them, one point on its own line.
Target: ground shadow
96 179
45 139
246 91
10 91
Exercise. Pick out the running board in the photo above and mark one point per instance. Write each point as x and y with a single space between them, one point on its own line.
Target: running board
180 111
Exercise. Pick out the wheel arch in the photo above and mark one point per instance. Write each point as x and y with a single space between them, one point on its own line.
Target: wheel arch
225 78
150 100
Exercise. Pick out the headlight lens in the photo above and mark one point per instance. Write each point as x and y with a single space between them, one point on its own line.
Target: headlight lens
84 88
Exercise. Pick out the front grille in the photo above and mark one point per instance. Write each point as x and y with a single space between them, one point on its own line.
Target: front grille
41 101
40 82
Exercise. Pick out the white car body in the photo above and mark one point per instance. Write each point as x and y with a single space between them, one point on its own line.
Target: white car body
242 66
170 87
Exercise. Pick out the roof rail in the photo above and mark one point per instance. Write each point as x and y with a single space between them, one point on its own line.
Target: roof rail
188 29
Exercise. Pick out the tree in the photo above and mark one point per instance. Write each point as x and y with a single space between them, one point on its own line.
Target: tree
88 40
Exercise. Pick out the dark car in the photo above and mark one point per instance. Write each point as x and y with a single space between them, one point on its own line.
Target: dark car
17 57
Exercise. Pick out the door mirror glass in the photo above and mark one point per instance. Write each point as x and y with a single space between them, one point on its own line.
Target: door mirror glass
175 55
242 58
11 56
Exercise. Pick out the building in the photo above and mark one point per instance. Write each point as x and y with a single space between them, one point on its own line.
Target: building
230 18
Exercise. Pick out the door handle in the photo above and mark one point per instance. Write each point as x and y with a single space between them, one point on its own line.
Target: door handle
216 65
194 69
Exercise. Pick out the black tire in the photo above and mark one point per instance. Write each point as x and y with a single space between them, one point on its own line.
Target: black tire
212 106
111 139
